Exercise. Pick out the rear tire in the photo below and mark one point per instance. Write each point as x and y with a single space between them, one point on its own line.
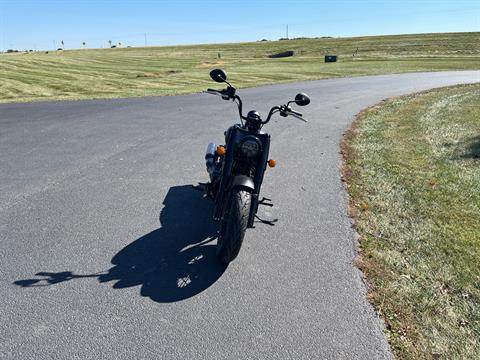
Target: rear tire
234 225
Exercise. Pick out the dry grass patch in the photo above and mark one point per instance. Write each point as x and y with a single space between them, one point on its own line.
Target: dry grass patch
124 72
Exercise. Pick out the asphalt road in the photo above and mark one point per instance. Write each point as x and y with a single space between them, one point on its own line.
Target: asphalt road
107 253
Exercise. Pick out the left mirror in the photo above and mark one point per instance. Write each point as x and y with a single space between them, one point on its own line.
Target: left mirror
218 75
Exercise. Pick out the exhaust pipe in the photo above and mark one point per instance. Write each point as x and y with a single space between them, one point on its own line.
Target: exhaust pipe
210 158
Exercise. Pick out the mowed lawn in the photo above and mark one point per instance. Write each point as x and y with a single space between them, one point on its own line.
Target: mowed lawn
412 168
124 72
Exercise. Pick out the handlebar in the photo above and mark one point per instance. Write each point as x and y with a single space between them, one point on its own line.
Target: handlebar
284 110
295 114
229 94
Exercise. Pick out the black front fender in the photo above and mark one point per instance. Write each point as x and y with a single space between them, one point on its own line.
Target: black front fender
243 181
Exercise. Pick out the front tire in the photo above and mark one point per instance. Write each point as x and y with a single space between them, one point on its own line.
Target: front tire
234 225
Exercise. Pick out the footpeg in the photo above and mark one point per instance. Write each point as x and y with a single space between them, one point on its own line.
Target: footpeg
200 186
265 202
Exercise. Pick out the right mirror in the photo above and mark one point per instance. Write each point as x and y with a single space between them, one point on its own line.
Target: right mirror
302 99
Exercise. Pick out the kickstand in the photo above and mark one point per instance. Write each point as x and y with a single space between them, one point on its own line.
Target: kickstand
268 222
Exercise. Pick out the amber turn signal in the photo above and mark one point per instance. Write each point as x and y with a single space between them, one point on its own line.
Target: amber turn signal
272 163
220 150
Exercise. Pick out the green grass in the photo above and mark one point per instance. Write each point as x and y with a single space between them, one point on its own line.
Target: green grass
109 73
412 169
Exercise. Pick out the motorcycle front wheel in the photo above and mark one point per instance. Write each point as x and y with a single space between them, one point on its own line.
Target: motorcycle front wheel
234 225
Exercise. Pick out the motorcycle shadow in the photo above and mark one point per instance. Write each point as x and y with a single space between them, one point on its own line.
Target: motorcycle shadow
172 263
176 261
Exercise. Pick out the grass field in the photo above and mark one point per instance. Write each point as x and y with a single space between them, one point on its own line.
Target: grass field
412 168
108 73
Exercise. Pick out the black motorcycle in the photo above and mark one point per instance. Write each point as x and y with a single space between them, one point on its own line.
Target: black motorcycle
236 169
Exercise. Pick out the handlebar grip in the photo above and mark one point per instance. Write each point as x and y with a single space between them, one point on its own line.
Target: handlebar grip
295 112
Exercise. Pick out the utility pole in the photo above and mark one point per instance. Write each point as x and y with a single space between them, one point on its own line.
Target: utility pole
145 39
287 31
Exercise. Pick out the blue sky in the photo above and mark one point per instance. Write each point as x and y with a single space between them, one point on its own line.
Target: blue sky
42 24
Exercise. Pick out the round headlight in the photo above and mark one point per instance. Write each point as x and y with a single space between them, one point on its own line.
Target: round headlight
250 148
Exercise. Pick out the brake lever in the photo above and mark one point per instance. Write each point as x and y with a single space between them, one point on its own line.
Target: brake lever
297 116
